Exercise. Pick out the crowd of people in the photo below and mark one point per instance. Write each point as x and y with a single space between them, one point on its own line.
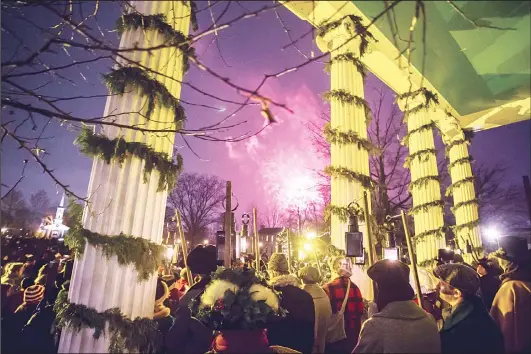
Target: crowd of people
488 305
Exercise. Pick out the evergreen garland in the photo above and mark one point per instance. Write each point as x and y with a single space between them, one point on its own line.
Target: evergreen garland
422 155
96 145
353 176
468 225
128 77
343 213
349 57
335 136
143 254
346 97
422 181
428 263
438 233
359 28
426 206
457 184
425 127
134 21
465 203
126 336
429 99
461 161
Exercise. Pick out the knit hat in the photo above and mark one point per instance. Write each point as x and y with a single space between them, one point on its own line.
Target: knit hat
34 294
389 271
513 249
278 263
162 291
27 282
309 275
459 276
203 259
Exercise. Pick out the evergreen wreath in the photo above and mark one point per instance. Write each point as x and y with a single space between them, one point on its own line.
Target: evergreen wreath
97 145
348 57
422 128
430 98
135 20
335 136
343 213
359 29
140 335
426 206
468 225
353 176
438 233
125 78
465 203
461 161
422 182
346 97
457 184
422 155
143 254
237 299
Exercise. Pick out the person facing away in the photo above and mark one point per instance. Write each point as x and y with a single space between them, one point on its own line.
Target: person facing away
511 307
188 335
400 326
469 328
489 281
295 331
323 311
336 290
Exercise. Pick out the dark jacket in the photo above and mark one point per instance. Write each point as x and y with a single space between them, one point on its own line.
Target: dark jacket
489 285
188 335
295 331
37 334
471 329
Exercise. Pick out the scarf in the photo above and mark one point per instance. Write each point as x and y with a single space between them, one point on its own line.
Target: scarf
285 280
244 341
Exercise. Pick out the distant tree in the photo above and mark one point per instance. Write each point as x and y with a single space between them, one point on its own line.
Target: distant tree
198 199
39 205
271 217
14 210
74 213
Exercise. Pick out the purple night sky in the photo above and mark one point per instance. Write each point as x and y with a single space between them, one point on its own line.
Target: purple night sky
256 167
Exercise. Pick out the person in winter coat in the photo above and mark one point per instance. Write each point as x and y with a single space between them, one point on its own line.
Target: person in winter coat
469 328
188 335
181 286
511 308
323 311
161 313
336 289
489 281
13 274
400 326
294 331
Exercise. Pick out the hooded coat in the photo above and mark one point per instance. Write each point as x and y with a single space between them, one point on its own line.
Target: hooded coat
323 312
401 327
470 329
295 331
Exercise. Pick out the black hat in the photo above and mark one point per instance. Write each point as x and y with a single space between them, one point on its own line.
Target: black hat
389 271
513 249
203 259
459 276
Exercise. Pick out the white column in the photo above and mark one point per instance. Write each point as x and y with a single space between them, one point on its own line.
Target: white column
422 166
120 201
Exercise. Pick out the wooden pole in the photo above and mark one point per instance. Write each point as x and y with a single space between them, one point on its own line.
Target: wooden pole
413 259
368 225
288 237
256 243
183 246
228 225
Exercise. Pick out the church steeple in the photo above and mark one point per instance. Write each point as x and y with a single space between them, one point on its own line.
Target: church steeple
60 211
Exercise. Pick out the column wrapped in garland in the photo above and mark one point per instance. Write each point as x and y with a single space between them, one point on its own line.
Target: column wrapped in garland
425 187
111 298
347 40
465 209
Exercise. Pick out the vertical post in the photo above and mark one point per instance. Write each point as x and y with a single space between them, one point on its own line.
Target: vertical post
413 259
228 225
256 245
527 188
288 237
175 249
368 226
183 246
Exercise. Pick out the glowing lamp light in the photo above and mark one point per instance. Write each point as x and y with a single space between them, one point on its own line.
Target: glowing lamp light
307 247
243 244
391 253
169 253
179 241
4 229
260 244
205 242
493 233
310 235
302 255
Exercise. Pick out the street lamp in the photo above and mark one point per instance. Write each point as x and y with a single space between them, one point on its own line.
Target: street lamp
205 242
308 247
310 235
169 253
493 233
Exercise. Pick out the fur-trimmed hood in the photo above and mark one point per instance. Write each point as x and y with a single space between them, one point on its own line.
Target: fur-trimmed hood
285 280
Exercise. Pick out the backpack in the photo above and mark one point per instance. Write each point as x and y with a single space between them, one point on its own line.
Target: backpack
336 326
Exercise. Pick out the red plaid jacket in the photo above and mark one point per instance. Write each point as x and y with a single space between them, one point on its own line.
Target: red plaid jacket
336 290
